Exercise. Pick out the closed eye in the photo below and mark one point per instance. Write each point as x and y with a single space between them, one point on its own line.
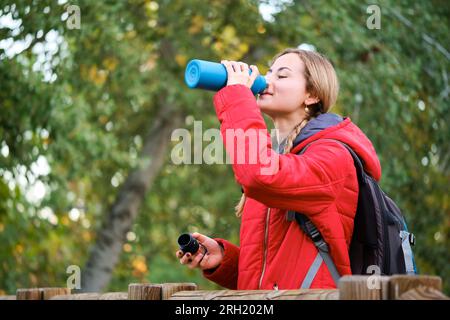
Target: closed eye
281 77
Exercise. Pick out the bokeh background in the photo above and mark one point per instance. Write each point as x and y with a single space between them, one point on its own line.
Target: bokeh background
86 116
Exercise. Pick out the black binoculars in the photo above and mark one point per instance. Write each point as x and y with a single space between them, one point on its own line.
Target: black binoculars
188 243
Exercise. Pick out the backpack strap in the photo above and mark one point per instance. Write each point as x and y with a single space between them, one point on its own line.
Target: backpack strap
323 252
314 234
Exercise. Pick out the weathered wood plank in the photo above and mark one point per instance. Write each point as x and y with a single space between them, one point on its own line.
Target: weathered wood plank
168 289
144 291
423 293
400 284
357 287
93 296
301 294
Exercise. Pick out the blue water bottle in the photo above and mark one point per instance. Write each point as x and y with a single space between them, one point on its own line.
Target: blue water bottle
213 76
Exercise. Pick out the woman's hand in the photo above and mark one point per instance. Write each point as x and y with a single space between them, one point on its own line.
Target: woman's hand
238 73
210 260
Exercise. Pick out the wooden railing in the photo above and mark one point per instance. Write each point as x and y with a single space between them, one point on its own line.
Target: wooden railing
350 288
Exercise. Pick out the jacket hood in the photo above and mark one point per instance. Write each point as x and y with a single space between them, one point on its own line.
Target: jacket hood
333 126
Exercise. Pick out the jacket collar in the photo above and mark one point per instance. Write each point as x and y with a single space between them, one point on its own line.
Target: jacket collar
315 125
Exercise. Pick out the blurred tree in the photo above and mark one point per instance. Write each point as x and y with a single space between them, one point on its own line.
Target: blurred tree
98 105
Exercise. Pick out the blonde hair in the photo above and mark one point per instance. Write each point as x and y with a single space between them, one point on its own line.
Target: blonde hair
321 82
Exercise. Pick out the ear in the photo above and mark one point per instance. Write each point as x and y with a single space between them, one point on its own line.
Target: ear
311 100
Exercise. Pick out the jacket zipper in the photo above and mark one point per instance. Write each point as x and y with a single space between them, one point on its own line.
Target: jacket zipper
266 233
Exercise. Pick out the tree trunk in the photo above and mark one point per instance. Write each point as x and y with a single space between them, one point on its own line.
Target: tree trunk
110 238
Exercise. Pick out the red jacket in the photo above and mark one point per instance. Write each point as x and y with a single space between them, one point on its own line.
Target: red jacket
321 183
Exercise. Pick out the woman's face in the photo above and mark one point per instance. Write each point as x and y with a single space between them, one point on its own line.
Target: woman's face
286 90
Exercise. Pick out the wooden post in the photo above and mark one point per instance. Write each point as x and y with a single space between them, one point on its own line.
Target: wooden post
168 289
400 284
144 291
372 287
29 294
40 293
48 293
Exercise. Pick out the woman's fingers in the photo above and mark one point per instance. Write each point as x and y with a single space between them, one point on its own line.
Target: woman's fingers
205 241
227 65
238 73
240 67
187 258
209 255
255 72
243 67
196 261
190 260
254 69
204 262
236 67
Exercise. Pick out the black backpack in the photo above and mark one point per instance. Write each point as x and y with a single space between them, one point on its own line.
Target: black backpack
380 243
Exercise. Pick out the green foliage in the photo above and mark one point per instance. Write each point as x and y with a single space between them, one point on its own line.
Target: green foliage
109 78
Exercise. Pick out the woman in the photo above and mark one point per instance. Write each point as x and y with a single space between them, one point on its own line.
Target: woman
320 183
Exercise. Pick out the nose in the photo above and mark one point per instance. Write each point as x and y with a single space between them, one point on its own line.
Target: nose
268 77
269 83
